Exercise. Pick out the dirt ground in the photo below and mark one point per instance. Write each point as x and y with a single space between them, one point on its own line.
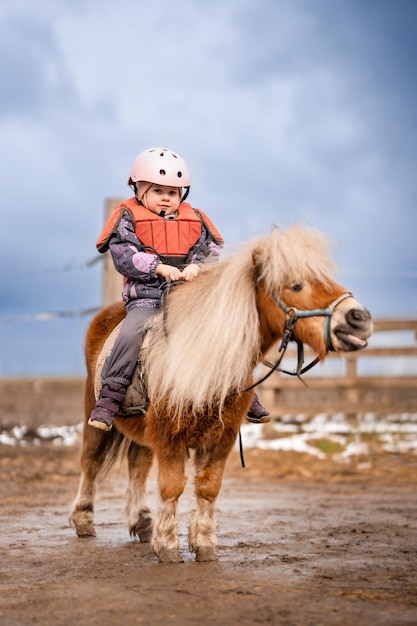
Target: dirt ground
302 541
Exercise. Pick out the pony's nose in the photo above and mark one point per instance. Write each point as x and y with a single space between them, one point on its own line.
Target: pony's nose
358 317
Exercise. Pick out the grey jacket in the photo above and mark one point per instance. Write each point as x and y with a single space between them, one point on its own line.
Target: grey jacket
142 286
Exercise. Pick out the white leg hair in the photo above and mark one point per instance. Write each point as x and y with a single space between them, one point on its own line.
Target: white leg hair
82 513
201 537
165 542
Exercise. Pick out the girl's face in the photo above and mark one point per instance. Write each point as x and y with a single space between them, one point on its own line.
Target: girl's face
160 198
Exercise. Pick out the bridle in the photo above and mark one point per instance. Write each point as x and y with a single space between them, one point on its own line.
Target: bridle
292 315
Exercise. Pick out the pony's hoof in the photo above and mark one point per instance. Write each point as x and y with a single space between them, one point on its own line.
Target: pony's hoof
169 555
142 530
83 529
145 535
208 553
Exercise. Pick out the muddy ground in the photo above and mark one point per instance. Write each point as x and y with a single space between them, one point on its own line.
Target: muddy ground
302 541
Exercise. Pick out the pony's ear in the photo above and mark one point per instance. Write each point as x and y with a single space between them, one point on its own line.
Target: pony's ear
257 262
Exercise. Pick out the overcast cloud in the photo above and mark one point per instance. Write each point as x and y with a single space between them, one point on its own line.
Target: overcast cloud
283 109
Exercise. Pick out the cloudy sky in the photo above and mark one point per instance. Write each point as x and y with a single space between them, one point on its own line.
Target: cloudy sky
283 109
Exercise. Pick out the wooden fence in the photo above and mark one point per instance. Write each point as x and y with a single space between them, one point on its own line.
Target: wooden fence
49 400
350 392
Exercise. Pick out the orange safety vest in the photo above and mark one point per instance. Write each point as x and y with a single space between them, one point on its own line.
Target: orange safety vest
173 238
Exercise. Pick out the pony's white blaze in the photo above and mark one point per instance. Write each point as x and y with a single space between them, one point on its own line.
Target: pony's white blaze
342 336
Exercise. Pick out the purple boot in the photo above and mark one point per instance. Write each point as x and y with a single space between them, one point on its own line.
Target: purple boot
107 406
257 414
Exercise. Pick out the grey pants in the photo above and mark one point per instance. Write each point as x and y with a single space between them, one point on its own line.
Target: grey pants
120 365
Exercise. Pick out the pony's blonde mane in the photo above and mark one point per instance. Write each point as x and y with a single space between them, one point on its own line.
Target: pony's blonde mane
207 341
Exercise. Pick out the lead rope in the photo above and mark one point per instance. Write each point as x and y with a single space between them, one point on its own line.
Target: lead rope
286 338
242 459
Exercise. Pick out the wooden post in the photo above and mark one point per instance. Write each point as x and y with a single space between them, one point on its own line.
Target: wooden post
352 393
112 280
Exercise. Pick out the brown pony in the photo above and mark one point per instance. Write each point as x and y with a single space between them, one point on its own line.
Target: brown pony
199 360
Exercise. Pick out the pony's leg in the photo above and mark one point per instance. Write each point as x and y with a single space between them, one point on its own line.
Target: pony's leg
171 480
138 513
210 466
96 444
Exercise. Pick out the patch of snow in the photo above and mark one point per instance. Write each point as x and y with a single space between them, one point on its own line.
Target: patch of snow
355 448
57 435
296 443
399 446
396 432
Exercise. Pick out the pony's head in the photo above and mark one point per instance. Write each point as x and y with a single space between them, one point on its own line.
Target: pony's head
296 291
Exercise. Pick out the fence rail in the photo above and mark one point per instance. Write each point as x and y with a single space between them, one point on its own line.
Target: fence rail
350 392
36 401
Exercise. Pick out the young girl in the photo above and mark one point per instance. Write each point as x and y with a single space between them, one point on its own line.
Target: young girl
153 237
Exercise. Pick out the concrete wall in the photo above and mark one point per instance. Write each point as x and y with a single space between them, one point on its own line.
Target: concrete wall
37 401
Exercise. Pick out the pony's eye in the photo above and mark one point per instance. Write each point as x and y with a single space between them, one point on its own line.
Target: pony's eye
297 287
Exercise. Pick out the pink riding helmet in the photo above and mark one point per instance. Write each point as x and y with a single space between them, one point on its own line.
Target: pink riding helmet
160 166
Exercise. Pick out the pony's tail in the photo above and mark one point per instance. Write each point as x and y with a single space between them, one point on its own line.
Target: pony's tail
116 452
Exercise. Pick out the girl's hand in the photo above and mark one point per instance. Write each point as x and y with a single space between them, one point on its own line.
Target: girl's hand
169 272
190 272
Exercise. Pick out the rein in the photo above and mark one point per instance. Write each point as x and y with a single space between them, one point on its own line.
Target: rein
291 316
165 288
